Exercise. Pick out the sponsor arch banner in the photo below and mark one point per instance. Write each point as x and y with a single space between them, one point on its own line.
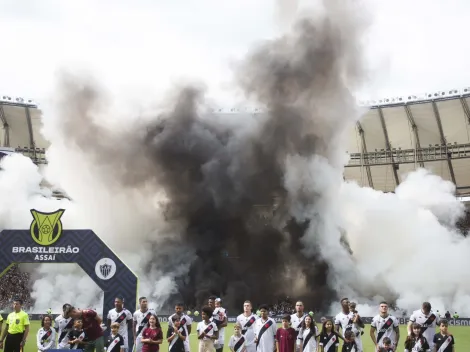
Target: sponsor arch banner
46 241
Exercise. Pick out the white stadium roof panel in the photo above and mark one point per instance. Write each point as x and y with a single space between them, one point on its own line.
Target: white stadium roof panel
23 127
354 141
423 115
454 122
439 167
356 174
373 130
39 140
383 178
404 169
400 133
18 129
462 173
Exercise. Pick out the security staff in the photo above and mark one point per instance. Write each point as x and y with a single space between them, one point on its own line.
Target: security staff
16 329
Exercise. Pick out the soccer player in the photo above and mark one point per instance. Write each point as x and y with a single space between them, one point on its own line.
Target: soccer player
265 331
207 331
329 338
308 335
77 338
297 320
219 316
286 336
385 325
416 342
443 341
152 336
176 336
349 321
91 325
247 321
387 345
428 321
141 321
45 338
62 327
237 340
115 342
16 329
184 323
123 317
349 344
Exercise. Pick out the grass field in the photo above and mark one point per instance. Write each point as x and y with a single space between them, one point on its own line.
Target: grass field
461 335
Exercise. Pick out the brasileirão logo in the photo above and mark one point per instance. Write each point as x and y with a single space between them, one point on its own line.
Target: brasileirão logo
46 228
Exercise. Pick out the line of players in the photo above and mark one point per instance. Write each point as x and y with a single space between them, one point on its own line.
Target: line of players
258 333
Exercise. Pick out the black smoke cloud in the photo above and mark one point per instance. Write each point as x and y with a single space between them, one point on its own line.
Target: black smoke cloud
224 183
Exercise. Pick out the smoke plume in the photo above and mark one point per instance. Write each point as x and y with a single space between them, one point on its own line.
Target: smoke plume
252 207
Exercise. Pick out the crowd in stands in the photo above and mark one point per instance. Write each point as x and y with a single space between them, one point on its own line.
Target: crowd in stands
283 306
14 283
464 223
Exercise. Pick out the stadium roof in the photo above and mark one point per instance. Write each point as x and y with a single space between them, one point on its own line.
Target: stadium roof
396 136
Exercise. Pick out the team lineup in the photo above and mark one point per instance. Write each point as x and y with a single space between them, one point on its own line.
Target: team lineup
253 332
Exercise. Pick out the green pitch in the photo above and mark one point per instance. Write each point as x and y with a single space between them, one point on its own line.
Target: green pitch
461 335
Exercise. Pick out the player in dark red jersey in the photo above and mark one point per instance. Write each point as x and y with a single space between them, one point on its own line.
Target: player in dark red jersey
152 337
286 336
91 326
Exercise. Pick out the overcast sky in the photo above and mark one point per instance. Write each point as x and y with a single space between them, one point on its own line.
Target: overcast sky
138 47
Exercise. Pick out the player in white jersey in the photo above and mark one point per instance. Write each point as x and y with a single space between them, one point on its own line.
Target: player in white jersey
123 317
247 322
385 325
63 326
45 337
219 316
346 320
265 331
207 331
428 321
141 321
237 340
308 335
185 323
296 321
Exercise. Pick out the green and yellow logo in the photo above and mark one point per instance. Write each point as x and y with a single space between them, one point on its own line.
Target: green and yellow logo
46 228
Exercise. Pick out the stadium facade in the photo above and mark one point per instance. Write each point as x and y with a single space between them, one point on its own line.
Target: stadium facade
395 136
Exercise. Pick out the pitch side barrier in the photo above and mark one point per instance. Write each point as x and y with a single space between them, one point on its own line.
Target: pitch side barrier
278 319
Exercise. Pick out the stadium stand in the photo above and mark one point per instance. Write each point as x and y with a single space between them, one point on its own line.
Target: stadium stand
15 283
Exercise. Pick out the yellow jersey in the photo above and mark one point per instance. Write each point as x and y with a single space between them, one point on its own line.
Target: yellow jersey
17 322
